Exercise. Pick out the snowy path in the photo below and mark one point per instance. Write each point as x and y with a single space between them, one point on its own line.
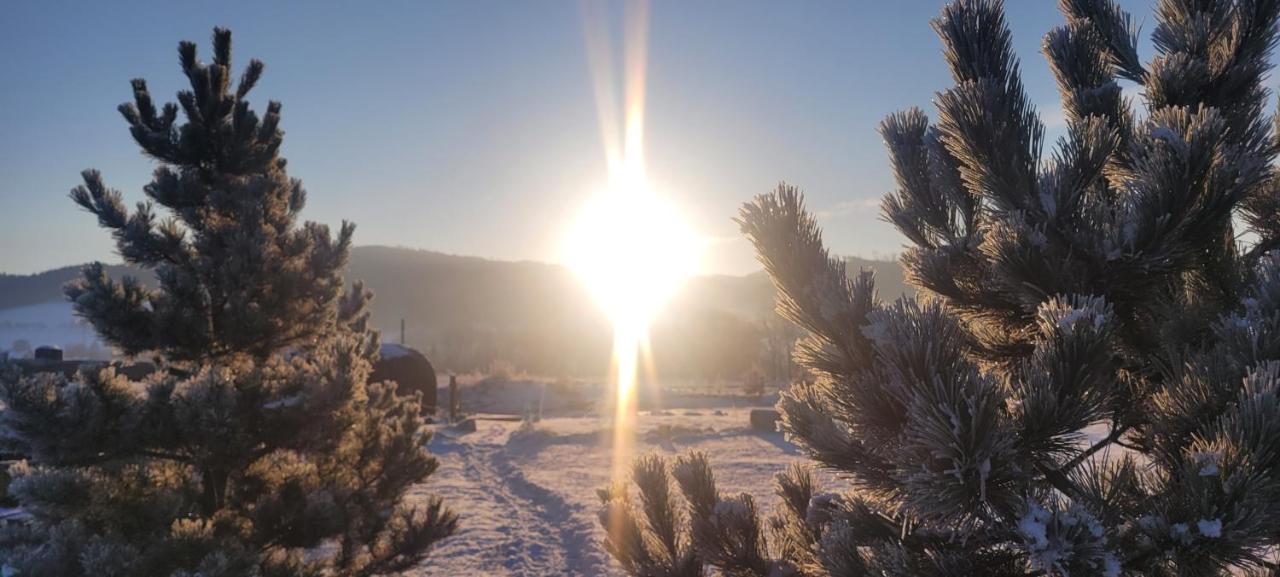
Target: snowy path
528 503
510 526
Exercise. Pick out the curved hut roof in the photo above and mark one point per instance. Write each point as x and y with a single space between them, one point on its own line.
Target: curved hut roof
409 368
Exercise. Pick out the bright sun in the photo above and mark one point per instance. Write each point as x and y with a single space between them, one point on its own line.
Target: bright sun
632 250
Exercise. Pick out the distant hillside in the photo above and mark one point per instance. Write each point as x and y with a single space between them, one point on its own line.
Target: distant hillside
435 289
471 312
442 289
432 289
34 289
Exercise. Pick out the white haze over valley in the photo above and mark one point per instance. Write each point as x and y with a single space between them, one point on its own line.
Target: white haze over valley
53 323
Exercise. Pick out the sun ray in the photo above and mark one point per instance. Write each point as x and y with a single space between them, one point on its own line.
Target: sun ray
630 246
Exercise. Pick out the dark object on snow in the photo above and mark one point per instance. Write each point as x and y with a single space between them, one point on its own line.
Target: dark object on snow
764 420
48 353
410 369
467 425
455 401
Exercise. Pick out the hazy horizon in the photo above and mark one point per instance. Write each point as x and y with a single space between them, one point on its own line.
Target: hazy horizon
485 120
115 260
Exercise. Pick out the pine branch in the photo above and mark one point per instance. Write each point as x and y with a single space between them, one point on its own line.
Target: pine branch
1105 281
1116 431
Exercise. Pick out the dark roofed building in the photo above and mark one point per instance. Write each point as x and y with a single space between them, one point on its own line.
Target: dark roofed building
410 369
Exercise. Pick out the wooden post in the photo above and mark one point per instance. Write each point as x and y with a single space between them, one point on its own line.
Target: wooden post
455 404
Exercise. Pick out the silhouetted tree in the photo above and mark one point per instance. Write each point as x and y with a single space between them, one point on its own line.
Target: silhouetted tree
1128 283
260 448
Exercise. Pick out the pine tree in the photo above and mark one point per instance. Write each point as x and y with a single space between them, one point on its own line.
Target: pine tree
260 447
1127 285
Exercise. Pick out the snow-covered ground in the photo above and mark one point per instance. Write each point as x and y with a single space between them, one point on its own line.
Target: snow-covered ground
528 498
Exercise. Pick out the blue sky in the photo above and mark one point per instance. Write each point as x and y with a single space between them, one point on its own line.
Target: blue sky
470 127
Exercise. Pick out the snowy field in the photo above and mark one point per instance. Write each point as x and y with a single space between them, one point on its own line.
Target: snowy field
528 498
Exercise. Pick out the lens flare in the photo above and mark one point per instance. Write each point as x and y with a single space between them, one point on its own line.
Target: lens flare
629 245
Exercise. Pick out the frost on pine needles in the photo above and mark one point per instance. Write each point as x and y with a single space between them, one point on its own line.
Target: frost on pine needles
1088 381
259 447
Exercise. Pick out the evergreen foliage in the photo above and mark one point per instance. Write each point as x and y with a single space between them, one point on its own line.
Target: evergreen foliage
260 448
1129 283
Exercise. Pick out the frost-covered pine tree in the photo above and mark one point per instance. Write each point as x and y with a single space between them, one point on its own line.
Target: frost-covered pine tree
259 448
1090 381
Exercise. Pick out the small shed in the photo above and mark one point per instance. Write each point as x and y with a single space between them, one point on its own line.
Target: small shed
410 369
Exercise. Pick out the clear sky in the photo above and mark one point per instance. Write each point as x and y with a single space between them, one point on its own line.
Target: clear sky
470 127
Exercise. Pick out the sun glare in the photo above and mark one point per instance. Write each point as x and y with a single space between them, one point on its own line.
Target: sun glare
629 244
632 250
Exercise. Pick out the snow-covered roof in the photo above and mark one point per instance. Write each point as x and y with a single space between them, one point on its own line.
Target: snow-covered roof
393 351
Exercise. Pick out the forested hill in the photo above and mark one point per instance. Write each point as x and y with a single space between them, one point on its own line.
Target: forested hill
449 289
33 289
474 310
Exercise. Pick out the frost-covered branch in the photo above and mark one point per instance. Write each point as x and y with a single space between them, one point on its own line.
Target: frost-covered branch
259 447
1129 280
